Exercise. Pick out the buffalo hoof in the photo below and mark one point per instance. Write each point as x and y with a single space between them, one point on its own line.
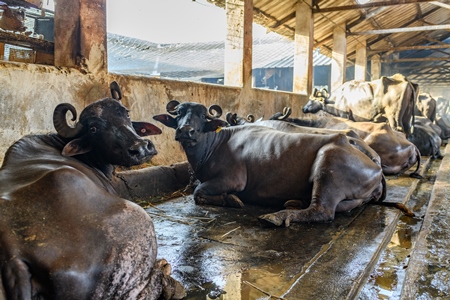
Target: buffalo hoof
415 175
233 201
270 220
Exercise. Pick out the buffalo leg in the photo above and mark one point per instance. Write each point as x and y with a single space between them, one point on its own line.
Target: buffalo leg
212 193
314 213
16 279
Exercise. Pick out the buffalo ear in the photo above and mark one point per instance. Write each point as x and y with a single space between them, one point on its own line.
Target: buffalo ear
214 125
144 128
167 120
76 147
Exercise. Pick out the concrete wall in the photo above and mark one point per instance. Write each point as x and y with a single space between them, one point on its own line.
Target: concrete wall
29 93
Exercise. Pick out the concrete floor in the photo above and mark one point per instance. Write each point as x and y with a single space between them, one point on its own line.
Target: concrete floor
373 252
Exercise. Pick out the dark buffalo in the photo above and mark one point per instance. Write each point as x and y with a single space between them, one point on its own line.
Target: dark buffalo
64 232
397 154
388 98
322 174
277 124
426 137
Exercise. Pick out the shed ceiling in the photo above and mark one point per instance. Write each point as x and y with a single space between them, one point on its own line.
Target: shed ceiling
411 36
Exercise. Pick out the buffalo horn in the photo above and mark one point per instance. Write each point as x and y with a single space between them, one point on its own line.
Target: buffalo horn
231 118
286 113
171 107
215 111
116 92
251 118
60 122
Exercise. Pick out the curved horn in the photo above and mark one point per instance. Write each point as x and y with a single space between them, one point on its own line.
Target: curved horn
215 111
231 118
60 122
286 113
116 92
250 118
171 107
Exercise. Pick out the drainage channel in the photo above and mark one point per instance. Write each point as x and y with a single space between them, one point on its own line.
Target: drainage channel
387 279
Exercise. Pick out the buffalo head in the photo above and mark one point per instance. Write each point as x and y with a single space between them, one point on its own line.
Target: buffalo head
106 132
191 120
316 102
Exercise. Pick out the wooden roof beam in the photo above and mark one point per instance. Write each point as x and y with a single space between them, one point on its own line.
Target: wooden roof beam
444 5
382 37
406 48
403 29
367 5
284 20
401 60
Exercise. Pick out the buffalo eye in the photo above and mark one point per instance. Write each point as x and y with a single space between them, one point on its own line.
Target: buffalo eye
93 129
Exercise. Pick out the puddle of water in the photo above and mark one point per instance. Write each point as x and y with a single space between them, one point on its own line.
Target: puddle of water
386 281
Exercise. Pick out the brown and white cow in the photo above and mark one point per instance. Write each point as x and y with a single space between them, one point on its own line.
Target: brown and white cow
388 98
425 106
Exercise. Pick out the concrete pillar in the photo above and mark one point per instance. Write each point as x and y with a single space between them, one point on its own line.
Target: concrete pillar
67 32
361 61
238 44
375 66
93 36
303 56
339 57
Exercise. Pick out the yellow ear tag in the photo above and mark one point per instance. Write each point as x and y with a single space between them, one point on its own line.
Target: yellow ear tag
218 129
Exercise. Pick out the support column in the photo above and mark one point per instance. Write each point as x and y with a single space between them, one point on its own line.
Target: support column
67 27
2 51
93 36
303 56
339 57
239 43
375 66
361 61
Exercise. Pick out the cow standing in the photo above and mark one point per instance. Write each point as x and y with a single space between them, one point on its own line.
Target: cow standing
64 232
322 174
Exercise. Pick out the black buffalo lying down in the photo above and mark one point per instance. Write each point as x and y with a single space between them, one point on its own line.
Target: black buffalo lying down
322 174
64 232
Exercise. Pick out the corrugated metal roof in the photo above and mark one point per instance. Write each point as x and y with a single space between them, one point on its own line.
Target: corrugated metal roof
191 61
279 16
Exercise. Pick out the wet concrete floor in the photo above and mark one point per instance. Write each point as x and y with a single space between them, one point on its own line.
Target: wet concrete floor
224 253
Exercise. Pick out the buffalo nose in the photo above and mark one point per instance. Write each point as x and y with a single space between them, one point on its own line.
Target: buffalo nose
142 148
186 130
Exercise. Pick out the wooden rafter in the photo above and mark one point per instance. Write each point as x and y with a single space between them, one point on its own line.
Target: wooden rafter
367 5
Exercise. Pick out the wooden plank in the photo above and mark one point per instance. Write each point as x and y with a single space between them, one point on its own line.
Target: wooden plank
22 40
